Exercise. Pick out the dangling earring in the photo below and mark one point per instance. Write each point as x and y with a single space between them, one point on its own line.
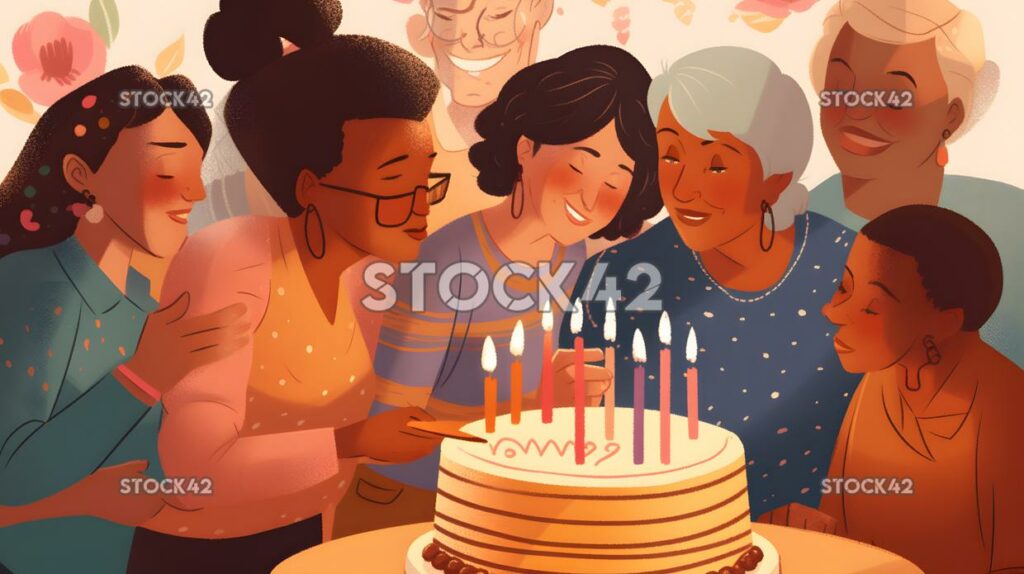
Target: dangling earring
766 208
942 154
311 210
95 213
931 350
518 192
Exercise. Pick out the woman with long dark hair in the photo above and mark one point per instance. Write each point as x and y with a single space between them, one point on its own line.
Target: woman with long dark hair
95 183
335 132
570 146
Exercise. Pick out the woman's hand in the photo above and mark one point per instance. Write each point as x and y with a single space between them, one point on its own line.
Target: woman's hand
597 378
172 346
387 437
103 494
800 516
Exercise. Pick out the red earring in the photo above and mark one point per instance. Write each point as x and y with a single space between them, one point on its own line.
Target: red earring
942 154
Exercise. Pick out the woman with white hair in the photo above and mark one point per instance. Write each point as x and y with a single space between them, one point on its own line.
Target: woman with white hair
900 80
741 262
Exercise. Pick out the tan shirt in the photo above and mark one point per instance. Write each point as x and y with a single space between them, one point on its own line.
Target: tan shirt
961 455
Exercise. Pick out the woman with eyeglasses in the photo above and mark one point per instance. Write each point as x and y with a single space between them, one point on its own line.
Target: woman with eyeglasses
570 148
276 428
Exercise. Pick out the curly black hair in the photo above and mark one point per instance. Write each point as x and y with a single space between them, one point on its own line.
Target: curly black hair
566 100
285 113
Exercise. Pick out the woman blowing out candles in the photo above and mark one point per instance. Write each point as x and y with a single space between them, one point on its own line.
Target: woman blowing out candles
938 413
335 132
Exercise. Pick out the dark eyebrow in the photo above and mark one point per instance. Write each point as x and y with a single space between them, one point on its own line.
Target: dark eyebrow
841 61
455 10
626 168
905 75
669 130
591 151
402 157
709 142
175 145
882 286
432 156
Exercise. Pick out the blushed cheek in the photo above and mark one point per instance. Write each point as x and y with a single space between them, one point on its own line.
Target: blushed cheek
561 181
609 203
831 116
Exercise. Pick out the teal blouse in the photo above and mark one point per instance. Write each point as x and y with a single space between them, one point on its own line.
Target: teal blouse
998 209
63 328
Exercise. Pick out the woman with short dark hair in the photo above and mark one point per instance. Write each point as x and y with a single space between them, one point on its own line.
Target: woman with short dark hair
937 415
570 145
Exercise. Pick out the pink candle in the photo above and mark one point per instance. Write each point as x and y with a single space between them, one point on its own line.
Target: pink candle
639 357
665 394
579 382
609 363
547 373
691 385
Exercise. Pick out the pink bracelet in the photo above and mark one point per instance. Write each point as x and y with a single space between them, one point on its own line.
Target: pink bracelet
138 382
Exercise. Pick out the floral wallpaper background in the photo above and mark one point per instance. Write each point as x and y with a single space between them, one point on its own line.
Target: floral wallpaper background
49 47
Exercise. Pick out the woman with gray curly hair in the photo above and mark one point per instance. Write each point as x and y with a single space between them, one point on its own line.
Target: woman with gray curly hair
741 262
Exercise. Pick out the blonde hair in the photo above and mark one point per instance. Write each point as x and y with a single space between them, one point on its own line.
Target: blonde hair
959 44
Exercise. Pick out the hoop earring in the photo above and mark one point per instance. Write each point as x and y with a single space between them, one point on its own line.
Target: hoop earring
934 358
942 154
766 208
311 210
520 192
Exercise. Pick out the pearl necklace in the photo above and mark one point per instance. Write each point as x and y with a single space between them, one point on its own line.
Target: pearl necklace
803 245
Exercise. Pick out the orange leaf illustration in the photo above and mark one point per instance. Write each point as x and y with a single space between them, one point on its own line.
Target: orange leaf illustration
171 58
18 106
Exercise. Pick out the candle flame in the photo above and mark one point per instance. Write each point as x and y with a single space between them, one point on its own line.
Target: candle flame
547 321
691 346
609 321
665 329
576 322
489 357
517 343
639 347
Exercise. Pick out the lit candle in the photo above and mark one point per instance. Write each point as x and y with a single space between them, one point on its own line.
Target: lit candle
665 366
489 361
639 357
691 384
515 347
609 363
579 382
547 373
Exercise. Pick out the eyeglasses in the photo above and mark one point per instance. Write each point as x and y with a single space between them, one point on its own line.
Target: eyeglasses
497 24
396 210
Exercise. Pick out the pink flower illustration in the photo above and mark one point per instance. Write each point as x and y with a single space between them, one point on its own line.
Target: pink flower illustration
56 55
775 8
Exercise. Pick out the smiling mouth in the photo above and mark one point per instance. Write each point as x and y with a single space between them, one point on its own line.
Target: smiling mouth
418 233
179 216
840 346
860 142
474 67
693 218
575 217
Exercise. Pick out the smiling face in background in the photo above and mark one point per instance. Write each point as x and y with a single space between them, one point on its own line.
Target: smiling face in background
867 142
881 308
479 44
712 189
577 188
149 181
383 157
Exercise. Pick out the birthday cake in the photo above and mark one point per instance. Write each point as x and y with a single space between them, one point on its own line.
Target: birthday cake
521 504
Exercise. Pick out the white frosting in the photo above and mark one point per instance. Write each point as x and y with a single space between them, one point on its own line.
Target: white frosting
544 453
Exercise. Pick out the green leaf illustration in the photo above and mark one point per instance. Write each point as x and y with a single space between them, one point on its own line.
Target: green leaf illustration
104 19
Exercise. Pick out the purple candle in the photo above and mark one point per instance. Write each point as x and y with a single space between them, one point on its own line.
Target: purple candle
639 357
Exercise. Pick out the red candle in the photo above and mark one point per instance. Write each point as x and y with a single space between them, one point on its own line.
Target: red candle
489 360
516 373
639 357
579 382
547 373
609 363
665 394
691 385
